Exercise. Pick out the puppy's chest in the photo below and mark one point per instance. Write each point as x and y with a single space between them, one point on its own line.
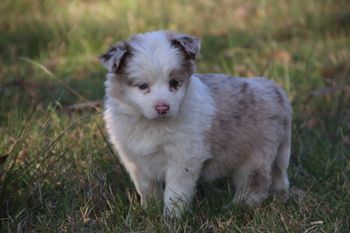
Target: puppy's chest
143 142
155 164
150 155
153 149
156 147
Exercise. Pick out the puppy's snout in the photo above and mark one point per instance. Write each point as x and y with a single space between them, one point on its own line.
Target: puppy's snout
162 108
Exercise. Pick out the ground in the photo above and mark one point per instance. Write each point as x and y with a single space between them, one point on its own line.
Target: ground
58 172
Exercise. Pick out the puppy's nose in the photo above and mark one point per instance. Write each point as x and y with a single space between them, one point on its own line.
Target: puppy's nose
162 108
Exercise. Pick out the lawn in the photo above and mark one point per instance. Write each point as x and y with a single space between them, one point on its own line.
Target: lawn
58 172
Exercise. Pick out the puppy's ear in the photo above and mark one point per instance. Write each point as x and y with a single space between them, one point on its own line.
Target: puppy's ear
189 44
113 58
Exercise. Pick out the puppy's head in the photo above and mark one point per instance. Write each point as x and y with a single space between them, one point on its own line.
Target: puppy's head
150 72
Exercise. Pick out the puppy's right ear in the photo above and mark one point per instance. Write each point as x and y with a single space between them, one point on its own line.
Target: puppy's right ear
114 57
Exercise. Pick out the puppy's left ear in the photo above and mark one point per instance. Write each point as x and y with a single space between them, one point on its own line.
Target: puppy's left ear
114 57
189 44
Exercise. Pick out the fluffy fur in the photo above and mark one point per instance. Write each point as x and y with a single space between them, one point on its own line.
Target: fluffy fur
173 133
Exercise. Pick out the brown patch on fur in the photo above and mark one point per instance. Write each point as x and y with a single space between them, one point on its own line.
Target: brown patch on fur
275 171
255 181
127 81
187 66
188 45
123 63
260 181
123 60
182 74
243 105
274 118
252 101
186 69
237 116
117 89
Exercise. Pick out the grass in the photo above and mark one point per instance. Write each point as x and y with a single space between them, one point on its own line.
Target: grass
60 174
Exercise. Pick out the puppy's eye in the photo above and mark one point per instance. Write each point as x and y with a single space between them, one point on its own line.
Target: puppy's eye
143 86
174 84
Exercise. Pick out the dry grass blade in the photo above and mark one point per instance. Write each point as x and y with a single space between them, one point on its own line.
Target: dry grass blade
79 107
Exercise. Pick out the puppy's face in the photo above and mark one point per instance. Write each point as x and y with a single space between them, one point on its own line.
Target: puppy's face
151 72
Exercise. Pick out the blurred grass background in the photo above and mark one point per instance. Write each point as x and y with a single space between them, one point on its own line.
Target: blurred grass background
57 171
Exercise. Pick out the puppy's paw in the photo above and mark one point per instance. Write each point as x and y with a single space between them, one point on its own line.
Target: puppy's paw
250 199
282 195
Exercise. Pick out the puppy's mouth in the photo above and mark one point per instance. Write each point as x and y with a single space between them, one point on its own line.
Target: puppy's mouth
166 116
161 117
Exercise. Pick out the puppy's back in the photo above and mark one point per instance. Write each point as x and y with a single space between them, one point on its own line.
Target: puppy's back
253 117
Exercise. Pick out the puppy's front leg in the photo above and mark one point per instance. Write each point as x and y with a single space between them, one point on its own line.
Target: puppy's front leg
146 187
179 189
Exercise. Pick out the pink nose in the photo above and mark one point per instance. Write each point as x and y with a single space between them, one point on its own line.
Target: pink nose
162 108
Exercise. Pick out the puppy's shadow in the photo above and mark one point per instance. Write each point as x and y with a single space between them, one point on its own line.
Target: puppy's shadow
215 200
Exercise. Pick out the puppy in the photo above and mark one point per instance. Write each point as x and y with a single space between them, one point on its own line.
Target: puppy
172 127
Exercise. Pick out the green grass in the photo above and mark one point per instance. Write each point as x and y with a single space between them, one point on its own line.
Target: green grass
61 175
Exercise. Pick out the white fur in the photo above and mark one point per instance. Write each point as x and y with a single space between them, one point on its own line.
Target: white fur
170 151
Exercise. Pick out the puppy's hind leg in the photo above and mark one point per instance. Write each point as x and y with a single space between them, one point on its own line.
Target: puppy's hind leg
252 185
280 182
